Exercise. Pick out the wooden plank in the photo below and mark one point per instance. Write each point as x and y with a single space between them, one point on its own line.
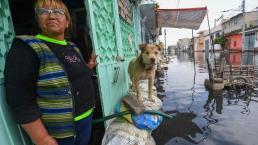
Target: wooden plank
132 102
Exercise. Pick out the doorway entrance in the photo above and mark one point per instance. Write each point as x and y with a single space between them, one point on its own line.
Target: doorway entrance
24 23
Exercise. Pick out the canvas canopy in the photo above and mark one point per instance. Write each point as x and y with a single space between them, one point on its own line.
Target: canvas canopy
190 18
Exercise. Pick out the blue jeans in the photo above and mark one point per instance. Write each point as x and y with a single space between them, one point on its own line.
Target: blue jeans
83 133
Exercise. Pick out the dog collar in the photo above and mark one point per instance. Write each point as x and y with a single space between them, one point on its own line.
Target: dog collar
147 67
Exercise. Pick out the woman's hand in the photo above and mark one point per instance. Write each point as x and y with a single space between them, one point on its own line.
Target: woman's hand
48 140
93 61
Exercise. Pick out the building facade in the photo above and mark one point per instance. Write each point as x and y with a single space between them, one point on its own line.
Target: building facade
200 42
184 44
171 49
232 30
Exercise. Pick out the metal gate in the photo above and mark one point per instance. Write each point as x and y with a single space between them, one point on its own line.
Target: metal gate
114 42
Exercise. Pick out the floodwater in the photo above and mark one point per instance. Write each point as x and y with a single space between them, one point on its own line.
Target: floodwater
199 117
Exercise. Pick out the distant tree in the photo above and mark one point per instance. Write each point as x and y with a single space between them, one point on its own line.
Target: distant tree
219 40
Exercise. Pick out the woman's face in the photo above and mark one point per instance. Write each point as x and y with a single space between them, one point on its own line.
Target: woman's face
52 21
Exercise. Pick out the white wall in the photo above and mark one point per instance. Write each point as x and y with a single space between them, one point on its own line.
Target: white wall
216 46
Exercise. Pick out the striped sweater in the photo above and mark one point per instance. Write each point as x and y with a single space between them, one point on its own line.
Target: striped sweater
54 91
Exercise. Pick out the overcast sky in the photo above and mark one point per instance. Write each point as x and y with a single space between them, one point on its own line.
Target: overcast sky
215 8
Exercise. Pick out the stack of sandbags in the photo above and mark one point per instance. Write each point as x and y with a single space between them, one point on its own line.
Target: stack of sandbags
134 129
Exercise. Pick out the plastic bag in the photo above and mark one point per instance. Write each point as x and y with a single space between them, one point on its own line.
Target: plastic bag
147 121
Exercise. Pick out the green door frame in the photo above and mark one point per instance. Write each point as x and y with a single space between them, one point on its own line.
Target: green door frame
10 132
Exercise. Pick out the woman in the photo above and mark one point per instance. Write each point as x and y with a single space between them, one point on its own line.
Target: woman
48 85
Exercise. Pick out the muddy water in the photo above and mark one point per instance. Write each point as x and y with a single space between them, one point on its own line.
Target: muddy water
200 117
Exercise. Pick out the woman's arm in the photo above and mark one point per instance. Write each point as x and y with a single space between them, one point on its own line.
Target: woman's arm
38 133
21 72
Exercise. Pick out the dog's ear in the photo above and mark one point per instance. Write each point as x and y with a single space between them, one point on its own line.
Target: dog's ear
160 46
142 46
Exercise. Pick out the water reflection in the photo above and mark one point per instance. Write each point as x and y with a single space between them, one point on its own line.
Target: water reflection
247 58
202 117
181 125
214 99
199 58
242 101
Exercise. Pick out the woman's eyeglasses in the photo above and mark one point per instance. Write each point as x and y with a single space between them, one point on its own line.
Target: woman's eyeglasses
46 12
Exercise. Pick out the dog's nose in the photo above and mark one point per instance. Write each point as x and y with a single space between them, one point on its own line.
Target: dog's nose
152 59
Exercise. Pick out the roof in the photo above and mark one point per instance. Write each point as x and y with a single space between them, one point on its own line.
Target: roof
239 15
215 29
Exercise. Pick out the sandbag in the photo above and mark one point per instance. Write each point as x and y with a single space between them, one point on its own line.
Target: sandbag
120 107
119 133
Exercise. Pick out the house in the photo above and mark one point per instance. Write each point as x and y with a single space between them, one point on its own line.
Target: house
183 44
171 49
195 44
200 41
115 30
214 33
232 31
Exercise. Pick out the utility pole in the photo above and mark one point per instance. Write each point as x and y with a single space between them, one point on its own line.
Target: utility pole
243 27
165 33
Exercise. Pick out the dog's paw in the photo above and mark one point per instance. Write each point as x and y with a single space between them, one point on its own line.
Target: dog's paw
140 99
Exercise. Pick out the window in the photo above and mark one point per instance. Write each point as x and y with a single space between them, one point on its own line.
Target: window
217 35
235 21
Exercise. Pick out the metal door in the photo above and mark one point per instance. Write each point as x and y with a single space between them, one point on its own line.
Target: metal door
114 42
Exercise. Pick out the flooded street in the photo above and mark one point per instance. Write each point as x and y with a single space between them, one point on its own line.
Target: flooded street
199 117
